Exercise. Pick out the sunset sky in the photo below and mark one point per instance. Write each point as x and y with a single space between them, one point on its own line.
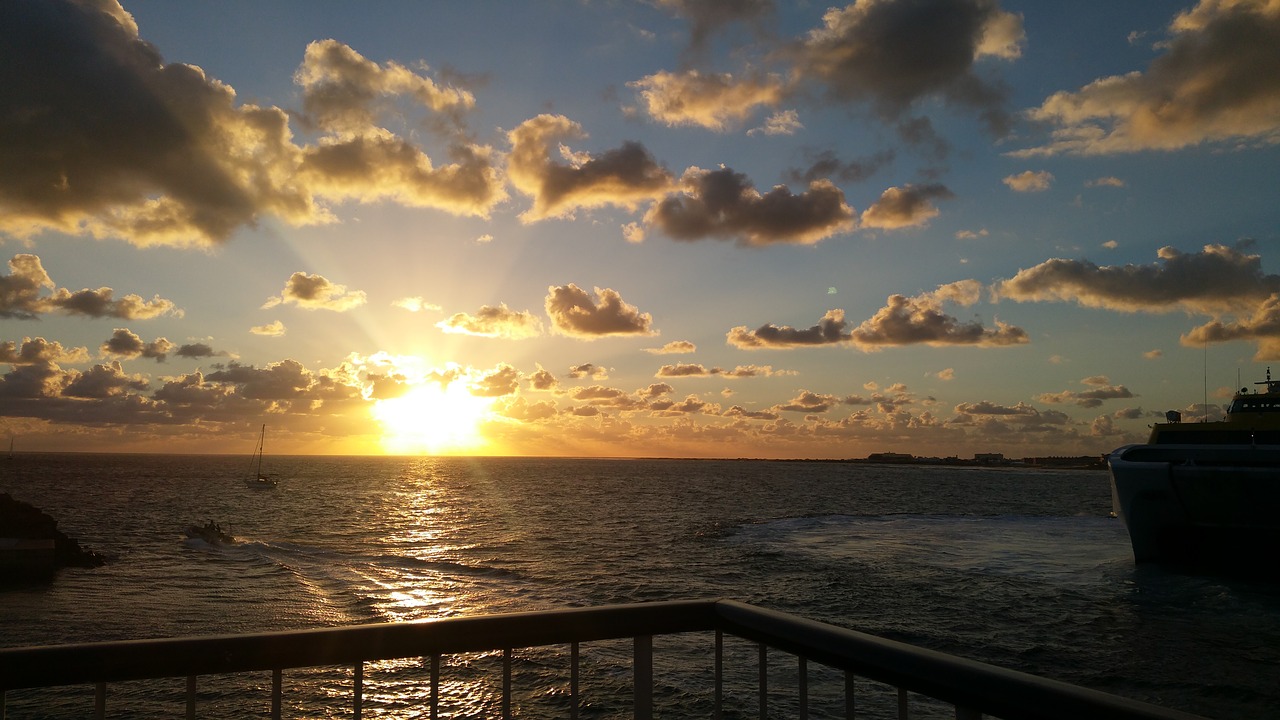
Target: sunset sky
633 228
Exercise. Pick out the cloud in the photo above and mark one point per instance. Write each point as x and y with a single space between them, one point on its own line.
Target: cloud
502 380
783 122
624 177
314 292
826 164
946 374
20 297
543 380
809 402
871 52
711 101
271 329
38 351
1029 181
588 370
102 137
104 381
741 371
907 206
709 17
721 203
573 312
378 165
1102 390
199 350
415 304
494 322
920 320
1261 326
341 88
1218 279
1106 181
830 330
675 347
125 343
1217 81
903 321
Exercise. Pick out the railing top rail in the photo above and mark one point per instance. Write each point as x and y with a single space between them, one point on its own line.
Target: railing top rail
45 666
966 683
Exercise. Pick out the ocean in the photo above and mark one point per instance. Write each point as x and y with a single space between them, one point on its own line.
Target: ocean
1022 568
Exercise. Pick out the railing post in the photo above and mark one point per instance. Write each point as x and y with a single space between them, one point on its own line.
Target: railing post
764 682
849 707
357 689
506 684
719 674
802 689
100 701
903 713
573 681
435 687
191 697
277 683
642 670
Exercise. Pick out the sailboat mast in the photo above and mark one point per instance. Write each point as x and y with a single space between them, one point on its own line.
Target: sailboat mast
261 437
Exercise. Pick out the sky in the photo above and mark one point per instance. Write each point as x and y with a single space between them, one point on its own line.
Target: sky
659 228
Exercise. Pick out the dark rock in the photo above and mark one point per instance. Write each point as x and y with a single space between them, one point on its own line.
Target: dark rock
24 521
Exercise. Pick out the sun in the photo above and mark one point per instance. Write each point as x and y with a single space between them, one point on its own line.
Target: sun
431 419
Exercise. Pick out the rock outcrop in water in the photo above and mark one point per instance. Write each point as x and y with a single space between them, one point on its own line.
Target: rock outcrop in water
23 521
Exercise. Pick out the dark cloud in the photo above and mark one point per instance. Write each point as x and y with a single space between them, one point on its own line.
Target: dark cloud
1262 326
624 176
706 18
20 297
315 292
1102 389
920 320
1216 280
125 343
809 402
38 351
827 164
588 370
723 204
502 380
830 330
894 55
542 380
1218 80
573 312
104 381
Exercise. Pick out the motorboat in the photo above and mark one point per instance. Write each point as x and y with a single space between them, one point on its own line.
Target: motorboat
1205 492
212 533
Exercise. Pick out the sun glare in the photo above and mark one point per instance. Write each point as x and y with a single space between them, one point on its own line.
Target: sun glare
429 419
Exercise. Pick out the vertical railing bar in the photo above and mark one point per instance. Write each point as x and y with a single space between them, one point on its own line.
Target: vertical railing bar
764 682
2 710
903 714
191 698
849 707
642 672
357 689
100 701
277 683
719 674
435 687
573 680
506 684
803 689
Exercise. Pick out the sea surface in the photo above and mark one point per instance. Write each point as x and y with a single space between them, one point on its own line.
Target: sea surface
1022 568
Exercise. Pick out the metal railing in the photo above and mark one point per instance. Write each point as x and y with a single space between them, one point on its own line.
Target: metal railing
973 688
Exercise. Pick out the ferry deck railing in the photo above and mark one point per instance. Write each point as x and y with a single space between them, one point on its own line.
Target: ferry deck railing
974 689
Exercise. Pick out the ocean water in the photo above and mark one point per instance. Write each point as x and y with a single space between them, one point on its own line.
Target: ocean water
1020 568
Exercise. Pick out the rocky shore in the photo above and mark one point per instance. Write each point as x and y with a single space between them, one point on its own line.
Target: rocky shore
22 528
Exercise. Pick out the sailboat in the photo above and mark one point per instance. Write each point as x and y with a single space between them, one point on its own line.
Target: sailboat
257 480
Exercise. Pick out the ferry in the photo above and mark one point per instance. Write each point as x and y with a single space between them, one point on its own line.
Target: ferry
1205 492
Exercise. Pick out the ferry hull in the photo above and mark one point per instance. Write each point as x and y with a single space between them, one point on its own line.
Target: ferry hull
1213 505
